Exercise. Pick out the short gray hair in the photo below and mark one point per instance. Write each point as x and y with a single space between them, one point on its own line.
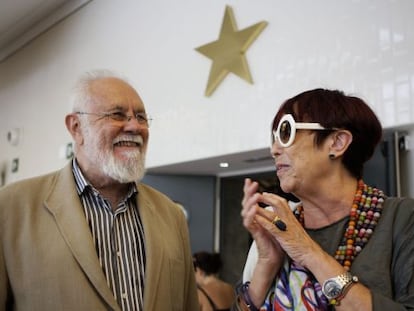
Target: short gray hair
81 96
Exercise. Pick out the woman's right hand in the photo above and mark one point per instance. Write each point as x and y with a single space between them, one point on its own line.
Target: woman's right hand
270 254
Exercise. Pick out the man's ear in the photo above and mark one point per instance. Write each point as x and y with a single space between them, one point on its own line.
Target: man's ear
73 125
341 139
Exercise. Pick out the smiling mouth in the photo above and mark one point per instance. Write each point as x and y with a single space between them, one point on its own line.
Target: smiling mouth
131 141
127 144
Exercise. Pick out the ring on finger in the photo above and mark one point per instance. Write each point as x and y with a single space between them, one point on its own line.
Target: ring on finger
279 223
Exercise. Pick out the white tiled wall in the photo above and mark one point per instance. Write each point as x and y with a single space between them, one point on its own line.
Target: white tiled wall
363 47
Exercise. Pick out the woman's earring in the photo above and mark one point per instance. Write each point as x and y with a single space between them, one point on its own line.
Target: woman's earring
331 156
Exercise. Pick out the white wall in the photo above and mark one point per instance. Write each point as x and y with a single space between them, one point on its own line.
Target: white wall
362 47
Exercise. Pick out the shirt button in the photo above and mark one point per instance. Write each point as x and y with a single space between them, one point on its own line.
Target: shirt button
124 296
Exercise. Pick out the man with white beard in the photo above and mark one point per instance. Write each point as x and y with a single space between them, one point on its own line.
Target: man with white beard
91 236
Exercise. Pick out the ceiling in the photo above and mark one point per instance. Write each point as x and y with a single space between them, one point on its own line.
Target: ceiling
23 20
254 161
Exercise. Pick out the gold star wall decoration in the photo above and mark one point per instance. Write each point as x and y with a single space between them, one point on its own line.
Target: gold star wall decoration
228 52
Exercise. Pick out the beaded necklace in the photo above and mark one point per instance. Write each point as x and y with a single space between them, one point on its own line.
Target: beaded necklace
363 218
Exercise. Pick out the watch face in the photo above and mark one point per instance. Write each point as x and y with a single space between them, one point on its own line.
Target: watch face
332 289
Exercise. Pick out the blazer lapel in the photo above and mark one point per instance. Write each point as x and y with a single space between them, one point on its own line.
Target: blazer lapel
154 252
63 202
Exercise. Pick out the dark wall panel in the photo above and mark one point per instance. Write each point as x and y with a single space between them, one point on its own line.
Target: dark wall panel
197 195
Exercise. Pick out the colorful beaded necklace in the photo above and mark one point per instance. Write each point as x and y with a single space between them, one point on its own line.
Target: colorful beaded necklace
363 218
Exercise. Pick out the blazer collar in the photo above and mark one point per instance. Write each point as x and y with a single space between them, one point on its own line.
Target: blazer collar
64 204
155 253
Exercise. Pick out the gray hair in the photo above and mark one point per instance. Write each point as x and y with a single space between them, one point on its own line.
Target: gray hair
81 95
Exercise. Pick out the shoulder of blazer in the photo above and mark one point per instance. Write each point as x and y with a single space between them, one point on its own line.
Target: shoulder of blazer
37 184
150 195
158 202
150 191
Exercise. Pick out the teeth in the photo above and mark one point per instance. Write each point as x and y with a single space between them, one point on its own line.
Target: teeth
128 144
129 141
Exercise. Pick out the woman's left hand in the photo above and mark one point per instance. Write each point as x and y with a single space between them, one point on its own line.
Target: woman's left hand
294 240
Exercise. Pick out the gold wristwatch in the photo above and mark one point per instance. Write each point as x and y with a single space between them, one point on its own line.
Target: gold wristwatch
335 288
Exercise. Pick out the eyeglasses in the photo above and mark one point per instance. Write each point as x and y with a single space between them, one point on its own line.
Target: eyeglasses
286 130
120 117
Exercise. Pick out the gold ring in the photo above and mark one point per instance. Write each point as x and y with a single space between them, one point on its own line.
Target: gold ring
279 223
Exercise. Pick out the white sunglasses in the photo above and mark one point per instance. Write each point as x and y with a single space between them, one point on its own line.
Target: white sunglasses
286 130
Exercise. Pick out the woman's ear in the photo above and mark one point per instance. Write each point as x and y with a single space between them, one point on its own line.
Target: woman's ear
74 127
341 139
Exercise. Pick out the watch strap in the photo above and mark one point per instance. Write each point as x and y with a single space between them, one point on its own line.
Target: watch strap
346 280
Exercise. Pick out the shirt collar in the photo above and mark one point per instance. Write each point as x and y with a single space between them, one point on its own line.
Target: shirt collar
82 184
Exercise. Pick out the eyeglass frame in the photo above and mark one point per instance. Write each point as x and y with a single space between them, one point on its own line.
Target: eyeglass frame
118 116
295 126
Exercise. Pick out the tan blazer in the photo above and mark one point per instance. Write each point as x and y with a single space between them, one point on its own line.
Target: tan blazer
48 259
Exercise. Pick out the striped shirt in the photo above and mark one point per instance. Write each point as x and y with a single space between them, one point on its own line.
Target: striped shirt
119 241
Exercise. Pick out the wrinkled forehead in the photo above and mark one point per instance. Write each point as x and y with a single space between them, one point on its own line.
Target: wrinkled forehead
112 93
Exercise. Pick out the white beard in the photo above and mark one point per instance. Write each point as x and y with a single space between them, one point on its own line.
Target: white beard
131 171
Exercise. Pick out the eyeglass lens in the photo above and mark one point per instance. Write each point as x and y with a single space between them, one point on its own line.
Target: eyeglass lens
285 131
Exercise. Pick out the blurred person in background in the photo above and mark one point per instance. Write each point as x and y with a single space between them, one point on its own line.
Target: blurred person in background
213 293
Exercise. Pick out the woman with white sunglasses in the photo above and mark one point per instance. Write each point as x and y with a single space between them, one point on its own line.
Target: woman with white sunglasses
346 246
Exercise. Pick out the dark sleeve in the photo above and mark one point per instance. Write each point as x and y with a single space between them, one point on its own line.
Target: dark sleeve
402 264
